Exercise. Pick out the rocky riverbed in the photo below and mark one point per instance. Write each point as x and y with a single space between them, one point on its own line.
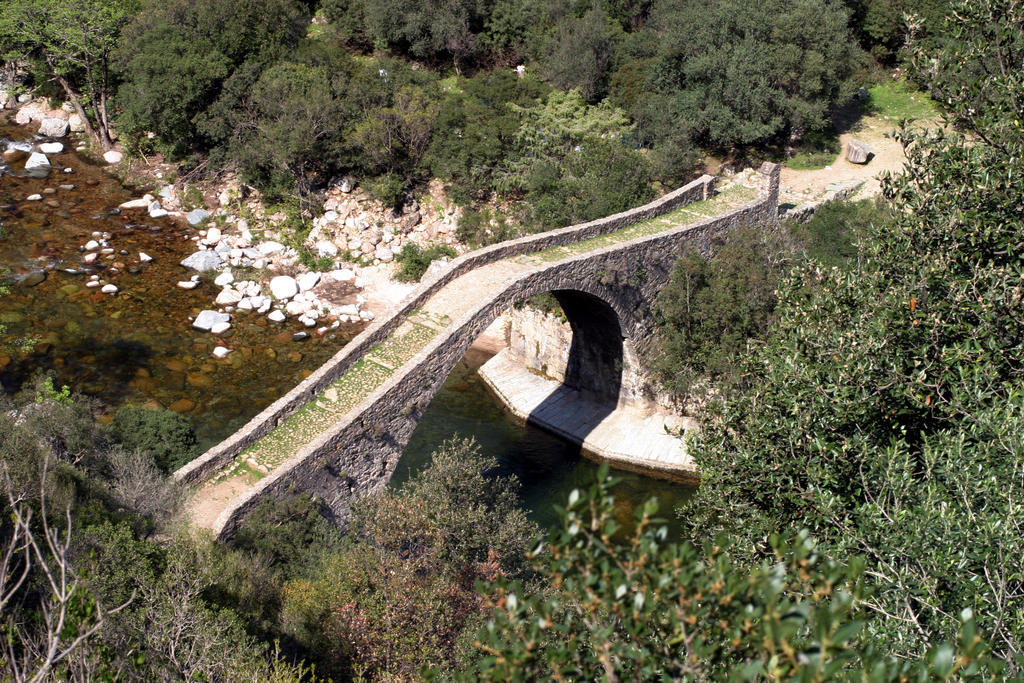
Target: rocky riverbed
95 297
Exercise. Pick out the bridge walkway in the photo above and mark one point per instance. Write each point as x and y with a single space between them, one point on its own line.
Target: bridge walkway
448 304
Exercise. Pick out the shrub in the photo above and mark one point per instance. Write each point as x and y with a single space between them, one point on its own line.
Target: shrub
415 260
163 435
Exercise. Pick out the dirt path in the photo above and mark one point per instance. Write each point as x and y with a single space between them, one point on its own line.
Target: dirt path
799 187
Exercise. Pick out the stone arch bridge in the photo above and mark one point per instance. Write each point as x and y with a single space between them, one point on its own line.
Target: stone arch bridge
340 432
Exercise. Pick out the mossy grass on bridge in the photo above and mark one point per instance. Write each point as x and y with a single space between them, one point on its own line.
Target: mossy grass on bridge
729 198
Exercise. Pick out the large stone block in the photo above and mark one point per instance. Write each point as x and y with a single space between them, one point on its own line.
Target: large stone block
858 152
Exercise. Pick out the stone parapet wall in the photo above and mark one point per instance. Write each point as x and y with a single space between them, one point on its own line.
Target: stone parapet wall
218 457
359 453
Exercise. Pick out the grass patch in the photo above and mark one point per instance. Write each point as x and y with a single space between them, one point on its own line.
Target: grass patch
724 201
397 349
900 100
816 151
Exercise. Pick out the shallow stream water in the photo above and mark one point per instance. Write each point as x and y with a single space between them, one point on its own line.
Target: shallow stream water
137 346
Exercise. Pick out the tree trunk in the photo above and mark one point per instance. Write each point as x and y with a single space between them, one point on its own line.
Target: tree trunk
102 140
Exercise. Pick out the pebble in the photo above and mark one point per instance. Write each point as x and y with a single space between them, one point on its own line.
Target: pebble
34 198
144 257
220 327
300 336
224 279
221 352
188 284
276 316
109 289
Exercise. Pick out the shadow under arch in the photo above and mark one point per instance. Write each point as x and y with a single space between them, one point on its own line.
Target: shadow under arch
592 387
595 362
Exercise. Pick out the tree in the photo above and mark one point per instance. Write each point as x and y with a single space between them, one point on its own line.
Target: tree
651 609
427 30
580 54
178 58
164 436
75 43
400 594
882 412
735 73
711 308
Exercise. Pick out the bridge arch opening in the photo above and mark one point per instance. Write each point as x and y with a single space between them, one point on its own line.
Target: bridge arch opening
596 353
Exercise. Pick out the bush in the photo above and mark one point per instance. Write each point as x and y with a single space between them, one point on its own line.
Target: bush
711 308
415 260
164 436
830 237
287 532
650 609
482 226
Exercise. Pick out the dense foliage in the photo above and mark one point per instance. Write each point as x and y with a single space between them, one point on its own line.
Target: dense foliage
652 609
883 411
613 97
164 436
714 309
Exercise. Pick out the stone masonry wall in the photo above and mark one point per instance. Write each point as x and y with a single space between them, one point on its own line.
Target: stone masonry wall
538 341
215 459
358 454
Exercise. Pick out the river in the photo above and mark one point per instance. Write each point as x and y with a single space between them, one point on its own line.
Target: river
137 346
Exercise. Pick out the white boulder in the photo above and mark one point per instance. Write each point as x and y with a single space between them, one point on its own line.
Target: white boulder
53 128
284 287
203 261
51 148
325 249
112 157
308 281
268 248
207 319
141 203
228 297
37 162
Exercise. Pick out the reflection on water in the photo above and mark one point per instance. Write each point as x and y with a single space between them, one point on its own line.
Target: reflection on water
548 466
